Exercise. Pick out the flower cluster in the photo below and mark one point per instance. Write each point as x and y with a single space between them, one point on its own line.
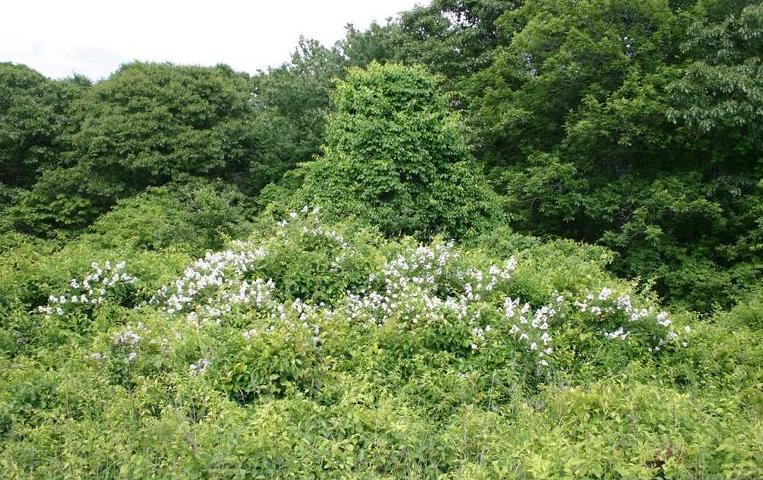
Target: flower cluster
209 287
422 266
217 285
128 341
629 319
257 294
430 284
307 216
199 367
421 287
531 327
93 289
439 267
410 287
476 282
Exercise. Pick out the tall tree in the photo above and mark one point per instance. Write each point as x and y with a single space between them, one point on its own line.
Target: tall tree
149 123
291 104
35 113
145 125
634 124
395 155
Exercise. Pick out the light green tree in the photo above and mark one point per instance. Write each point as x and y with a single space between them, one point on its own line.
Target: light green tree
397 156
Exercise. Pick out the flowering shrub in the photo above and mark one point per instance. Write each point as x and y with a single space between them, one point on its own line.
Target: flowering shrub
214 284
452 301
619 318
128 341
326 351
104 281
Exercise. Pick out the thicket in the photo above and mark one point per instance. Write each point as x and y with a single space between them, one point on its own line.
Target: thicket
487 239
312 350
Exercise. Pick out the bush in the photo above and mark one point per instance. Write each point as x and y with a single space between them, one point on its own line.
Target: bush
320 350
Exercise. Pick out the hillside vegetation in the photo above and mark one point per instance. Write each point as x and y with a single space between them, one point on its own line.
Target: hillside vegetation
484 240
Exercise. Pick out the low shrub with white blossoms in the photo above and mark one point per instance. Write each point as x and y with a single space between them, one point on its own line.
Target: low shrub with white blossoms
423 287
127 342
456 302
104 280
233 279
619 317
310 225
212 285
532 327
435 276
230 284
433 285
199 366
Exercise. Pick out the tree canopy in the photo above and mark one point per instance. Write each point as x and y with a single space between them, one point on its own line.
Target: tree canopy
633 125
395 155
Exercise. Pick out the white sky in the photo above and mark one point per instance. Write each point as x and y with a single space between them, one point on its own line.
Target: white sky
93 37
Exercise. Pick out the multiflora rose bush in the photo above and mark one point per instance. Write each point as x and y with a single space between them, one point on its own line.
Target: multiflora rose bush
322 349
409 297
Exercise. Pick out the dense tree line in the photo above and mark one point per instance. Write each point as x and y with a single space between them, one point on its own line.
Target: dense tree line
635 125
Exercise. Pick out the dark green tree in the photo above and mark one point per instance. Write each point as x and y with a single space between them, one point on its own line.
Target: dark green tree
291 104
145 125
149 123
35 115
636 125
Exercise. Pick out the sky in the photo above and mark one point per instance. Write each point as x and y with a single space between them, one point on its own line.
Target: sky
93 37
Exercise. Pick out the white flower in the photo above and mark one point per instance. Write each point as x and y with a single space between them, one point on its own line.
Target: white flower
127 337
662 319
605 293
199 367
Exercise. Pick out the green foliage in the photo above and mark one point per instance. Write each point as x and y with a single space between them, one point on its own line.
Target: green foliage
280 387
392 147
146 125
35 118
291 105
384 312
193 214
586 112
56 206
149 123
632 125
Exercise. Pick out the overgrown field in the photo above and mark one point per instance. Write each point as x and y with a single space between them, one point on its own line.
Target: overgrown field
486 240
324 351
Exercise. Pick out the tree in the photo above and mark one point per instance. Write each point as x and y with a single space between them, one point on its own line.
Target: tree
396 156
35 112
291 104
149 123
144 126
635 125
